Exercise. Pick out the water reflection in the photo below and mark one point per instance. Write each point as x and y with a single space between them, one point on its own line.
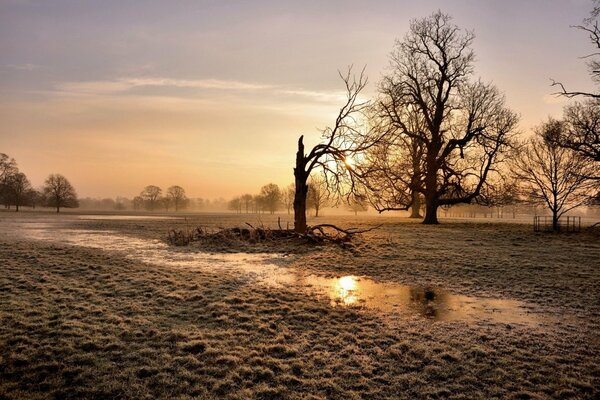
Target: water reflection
346 291
431 302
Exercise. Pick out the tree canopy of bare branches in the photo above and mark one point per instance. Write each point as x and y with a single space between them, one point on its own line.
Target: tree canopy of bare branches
151 195
553 175
340 143
591 28
271 196
177 196
318 194
446 132
59 192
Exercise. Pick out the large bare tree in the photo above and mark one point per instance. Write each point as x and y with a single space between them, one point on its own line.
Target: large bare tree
59 192
466 126
553 175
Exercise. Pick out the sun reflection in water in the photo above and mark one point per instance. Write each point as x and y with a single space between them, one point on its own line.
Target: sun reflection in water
345 289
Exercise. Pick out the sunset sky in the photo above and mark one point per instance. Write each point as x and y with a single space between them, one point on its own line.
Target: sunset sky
212 95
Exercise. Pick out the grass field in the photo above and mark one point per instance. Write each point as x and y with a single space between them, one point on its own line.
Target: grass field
99 307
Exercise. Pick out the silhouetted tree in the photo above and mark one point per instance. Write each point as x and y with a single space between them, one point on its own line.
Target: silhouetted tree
288 197
341 142
358 204
318 194
392 168
8 168
271 196
553 175
235 204
138 202
582 130
151 194
247 200
177 196
18 189
589 26
466 124
59 192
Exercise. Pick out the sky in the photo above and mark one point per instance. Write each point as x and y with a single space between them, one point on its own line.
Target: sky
213 95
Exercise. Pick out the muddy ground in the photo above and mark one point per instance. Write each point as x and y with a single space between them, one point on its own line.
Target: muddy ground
92 307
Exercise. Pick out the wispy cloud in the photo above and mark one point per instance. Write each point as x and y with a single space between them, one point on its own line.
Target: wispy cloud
126 84
22 67
120 86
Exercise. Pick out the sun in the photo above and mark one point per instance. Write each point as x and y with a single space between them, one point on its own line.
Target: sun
349 161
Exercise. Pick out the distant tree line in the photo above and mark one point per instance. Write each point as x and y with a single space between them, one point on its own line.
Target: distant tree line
271 198
16 189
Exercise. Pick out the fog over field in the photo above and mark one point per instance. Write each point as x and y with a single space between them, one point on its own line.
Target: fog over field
283 200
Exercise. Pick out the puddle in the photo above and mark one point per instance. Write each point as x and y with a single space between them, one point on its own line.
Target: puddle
432 303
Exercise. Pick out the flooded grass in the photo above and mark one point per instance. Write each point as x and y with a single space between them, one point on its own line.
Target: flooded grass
105 309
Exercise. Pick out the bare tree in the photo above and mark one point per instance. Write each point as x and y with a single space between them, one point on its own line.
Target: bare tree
8 168
591 28
358 204
235 204
392 169
318 194
553 175
467 127
59 192
340 143
582 130
288 197
271 195
138 202
151 195
177 196
247 200
19 188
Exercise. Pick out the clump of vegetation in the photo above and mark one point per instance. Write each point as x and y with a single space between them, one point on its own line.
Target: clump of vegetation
317 234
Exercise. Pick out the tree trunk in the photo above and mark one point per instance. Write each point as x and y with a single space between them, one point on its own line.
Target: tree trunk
17 207
300 177
431 206
57 209
415 206
555 226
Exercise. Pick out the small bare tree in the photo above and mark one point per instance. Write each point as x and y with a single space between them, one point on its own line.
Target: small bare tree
553 175
247 200
288 197
19 189
151 195
177 196
318 194
235 204
358 204
59 192
271 196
